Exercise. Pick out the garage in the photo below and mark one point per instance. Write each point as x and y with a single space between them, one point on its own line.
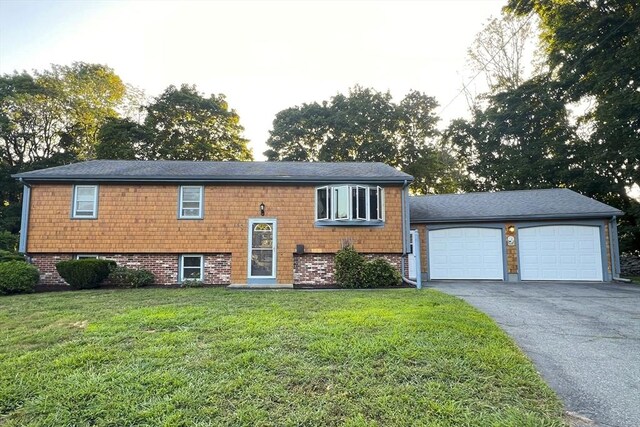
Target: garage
560 252
516 236
466 253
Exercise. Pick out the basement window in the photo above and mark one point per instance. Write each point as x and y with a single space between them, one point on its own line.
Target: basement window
191 267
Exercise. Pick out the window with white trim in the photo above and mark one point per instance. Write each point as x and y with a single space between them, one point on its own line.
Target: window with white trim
360 203
191 267
191 202
88 257
85 201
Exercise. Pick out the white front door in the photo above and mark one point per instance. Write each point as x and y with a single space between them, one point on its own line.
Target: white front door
413 249
466 253
560 252
262 248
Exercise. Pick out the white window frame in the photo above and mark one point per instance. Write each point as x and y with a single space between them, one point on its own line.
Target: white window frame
87 256
200 214
74 202
335 189
328 206
181 267
332 202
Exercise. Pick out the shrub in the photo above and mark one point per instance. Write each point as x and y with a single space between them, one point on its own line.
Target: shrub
17 276
191 283
85 273
379 272
6 256
8 241
130 277
349 267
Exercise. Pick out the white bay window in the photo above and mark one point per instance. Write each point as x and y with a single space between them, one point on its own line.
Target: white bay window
349 203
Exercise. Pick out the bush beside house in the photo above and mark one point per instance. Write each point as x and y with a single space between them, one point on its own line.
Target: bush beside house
85 273
130 278
353 271
17 277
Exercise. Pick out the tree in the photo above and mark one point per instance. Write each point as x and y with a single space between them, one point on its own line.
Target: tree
122 139
184 125
366 125
502 50
89 94
521 140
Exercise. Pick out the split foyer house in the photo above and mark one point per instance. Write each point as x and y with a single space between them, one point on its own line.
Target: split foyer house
281 224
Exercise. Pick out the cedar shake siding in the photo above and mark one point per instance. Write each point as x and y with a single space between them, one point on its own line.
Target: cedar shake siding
138 225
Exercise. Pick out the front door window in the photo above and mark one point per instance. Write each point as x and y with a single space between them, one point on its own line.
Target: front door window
262 248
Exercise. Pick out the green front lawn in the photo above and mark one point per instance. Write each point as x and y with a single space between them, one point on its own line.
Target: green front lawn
217 357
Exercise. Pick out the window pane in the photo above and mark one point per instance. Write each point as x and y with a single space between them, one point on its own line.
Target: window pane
191 194
354 202
192 205
191 261
84 206
362 203
322 208
262 236
191 212
85 193
191 273
373 203
262 262
341 202
380 203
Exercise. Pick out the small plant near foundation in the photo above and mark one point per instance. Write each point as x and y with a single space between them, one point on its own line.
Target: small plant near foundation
379 272
17 277
191 283
130 277
6 256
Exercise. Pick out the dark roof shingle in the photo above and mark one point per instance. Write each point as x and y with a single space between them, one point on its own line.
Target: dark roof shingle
176 170
556 203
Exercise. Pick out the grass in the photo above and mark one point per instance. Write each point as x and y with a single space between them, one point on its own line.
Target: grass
635 279
215 357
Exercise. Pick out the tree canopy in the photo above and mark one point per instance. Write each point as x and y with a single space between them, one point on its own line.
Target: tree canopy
366 125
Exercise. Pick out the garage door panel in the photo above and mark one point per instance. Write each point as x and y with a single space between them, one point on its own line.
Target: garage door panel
469 253
560 252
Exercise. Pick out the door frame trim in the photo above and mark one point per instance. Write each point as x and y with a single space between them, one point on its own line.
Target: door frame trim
258 279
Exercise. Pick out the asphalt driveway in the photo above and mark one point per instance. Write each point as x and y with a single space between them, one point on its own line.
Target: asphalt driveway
583 338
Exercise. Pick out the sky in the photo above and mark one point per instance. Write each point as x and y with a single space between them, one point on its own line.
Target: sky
265 56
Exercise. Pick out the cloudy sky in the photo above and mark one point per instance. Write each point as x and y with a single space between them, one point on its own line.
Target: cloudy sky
264 56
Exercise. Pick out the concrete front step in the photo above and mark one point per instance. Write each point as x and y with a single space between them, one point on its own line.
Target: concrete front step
260 286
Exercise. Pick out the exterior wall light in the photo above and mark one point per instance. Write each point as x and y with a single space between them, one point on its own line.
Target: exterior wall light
261 209
511 229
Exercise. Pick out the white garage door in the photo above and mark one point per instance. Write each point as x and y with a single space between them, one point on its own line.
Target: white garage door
560 252
466 253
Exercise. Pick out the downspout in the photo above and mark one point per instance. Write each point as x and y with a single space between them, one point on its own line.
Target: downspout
405 237
24 221
615 250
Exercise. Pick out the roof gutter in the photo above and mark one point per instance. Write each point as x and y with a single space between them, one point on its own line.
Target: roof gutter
577 215
406 223
24 220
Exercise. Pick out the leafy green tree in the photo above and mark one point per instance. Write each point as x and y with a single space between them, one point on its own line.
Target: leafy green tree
122 139
521 140
89 94
366 125
184 125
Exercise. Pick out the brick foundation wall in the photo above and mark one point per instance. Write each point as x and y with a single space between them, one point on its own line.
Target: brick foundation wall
319 269
217 267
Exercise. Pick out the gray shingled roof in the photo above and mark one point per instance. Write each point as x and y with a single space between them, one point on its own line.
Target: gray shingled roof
557 203
169 171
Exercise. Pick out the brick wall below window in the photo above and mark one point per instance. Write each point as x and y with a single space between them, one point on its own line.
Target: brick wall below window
319 269
217 267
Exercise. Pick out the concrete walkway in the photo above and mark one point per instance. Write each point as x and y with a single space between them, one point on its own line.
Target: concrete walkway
583 338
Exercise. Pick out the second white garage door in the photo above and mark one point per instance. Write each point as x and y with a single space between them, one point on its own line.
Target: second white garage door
560 252
466 253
